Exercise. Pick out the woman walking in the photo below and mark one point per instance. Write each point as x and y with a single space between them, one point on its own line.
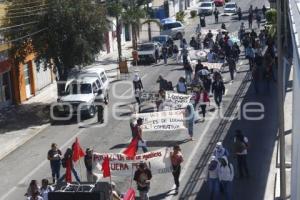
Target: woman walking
176 160
203 101
213 178
226 174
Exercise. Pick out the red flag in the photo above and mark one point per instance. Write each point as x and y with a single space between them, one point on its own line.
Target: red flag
131 150
130 195
105 167
77 151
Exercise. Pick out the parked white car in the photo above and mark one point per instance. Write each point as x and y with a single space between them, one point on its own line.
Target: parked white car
206 8
82 94
146 51
173 29
230 8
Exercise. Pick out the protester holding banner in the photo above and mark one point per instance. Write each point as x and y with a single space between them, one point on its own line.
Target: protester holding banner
176 159
190 116
142 176
138 133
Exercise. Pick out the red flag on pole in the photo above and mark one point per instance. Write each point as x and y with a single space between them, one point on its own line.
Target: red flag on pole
105 167
130 195
131 150
77 151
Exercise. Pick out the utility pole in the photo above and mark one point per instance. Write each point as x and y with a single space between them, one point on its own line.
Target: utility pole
149 23
281 100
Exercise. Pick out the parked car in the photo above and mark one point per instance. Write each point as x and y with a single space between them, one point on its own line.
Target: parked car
230 8
167 20
146 51
162 39
173 29
219 2
83 93
206 8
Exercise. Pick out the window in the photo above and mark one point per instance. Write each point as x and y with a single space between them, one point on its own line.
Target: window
103 77
98 83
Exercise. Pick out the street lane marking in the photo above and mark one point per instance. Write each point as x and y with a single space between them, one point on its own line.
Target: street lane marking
22 182
184 169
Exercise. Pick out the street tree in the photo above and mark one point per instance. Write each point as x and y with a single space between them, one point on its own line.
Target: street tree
115 9
67 33
132 15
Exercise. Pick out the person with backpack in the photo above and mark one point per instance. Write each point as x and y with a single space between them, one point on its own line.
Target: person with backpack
220 151
176 160
55 156
241 151
67 163
181 86
213 178
226 175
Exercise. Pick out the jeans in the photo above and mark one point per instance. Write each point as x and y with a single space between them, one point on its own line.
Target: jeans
74 173
191 128
218 98
165 56
242 165
55 169
203 109
176 173
214 188
188 76
227 187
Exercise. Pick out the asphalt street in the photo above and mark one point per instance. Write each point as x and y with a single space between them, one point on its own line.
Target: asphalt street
30 160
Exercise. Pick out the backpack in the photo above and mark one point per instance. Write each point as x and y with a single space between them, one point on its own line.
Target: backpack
239 146
64 162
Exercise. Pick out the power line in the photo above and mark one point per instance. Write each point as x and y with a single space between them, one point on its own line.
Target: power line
28 3
24 8
27 11
19 25
20 16
26 36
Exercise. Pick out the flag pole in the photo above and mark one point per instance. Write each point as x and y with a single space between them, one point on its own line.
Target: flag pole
131 178
111 194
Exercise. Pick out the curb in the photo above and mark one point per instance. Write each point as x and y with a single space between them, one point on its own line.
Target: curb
23 141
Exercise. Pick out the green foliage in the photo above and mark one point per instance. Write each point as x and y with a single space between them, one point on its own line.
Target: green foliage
193 13
73 32
271 16
180 16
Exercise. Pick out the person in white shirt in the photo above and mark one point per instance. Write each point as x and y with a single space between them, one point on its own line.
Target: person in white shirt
45 189
226 174
213 178
241 152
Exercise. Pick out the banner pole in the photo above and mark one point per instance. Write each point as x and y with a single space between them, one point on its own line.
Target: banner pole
111 194
131 178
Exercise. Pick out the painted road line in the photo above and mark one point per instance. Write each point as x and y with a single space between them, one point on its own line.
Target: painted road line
28 177
192 155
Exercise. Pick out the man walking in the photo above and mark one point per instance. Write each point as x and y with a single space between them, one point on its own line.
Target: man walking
55 156
216 13
218 89
250 19
88 162
240 148
142 176
232 66
137 133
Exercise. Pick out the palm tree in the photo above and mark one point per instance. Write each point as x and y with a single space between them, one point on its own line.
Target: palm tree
133 15
114 9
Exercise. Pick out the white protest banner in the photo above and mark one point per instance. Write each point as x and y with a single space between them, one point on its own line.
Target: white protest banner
176 100
149 96
216 66
162 121
158 162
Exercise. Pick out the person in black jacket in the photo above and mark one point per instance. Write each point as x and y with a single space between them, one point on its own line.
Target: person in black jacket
218 89
88 162
137 82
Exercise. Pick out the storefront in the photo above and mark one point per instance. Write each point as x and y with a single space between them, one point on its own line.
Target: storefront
5 84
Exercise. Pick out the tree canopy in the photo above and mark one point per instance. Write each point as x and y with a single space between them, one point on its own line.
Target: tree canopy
66 32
